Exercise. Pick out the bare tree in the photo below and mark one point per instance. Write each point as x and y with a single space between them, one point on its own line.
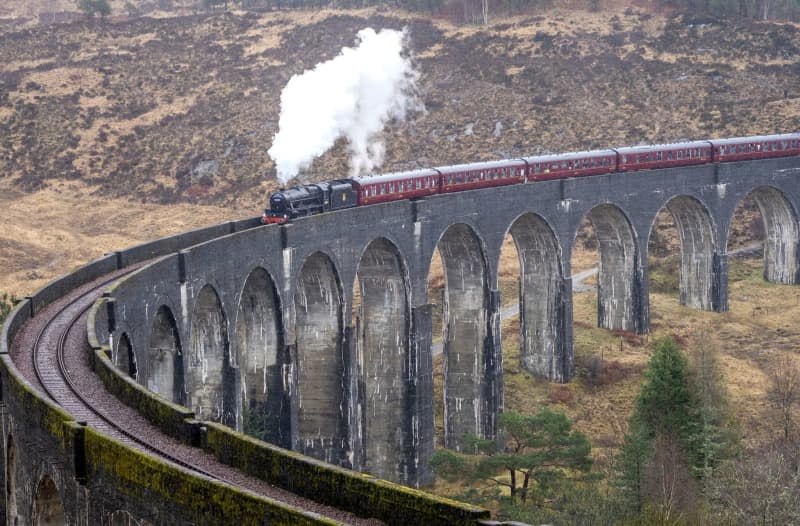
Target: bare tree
760 487
669 484
784 394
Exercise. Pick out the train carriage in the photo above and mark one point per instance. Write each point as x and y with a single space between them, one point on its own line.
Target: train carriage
651 157
372 189
482 175
756 147
577 164
323 197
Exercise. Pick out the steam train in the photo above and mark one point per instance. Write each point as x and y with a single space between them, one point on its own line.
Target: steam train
310 199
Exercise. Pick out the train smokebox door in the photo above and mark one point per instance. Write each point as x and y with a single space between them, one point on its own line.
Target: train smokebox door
343 195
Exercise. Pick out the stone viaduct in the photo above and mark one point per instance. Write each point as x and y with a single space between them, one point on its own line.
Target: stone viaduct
256 325
259 321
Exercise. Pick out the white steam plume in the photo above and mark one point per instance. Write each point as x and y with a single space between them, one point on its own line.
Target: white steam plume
352 95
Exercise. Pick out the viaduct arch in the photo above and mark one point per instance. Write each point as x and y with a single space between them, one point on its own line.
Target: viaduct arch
255 324
357 390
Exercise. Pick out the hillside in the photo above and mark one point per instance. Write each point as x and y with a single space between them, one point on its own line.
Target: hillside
120 131
183 109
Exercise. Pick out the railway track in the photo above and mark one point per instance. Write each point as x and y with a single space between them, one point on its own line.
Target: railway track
53 354
56 380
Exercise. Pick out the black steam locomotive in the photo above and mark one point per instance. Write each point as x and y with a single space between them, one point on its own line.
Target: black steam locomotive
309 199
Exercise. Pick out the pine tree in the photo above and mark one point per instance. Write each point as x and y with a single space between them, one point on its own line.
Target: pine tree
632 465
717 436
663 434
666 403
542 448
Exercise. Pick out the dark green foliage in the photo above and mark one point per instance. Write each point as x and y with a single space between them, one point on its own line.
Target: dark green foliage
632 465
718 436
665 402
669 404
256 421
677 434
574 504
6 304
448 464
90 7
540 450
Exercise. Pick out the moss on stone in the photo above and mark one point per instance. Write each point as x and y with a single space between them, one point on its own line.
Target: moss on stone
202 500
35 407
358 493
173 419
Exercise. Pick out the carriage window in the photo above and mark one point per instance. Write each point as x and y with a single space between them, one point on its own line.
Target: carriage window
680 154
794 143
785 144
669 156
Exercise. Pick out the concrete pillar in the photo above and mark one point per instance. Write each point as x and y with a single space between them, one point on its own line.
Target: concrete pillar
618 258
420 399
719 283
641 298
565 354
294 400
354 458
493 369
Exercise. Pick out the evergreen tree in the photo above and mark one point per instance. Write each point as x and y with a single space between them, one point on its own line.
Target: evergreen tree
665 402
717 436
542 448
632 465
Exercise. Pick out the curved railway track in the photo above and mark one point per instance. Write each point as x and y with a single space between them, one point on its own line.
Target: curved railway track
58 380
53 354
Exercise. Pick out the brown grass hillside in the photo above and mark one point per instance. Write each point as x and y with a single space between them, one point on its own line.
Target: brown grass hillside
183 109
116 132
